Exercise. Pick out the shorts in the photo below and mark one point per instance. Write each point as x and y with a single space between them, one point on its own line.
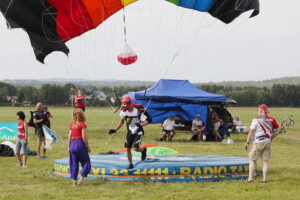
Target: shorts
20 145
134 140
217 126
82 108
262 149
168 131
39 133
195 132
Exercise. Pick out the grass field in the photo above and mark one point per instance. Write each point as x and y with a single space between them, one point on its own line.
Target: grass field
37 181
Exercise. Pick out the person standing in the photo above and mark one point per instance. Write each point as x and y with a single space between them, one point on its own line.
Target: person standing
80 100
22 140
48 116
79 147
263 130
38 120
197 128
135 119
168 128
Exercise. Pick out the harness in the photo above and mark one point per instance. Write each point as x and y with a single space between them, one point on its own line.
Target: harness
140 111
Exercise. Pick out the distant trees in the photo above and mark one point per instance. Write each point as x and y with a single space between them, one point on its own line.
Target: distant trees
281 95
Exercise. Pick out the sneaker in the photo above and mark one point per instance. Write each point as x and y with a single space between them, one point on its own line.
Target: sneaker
130 166
144 154
43 157
247 181
24 166
19 165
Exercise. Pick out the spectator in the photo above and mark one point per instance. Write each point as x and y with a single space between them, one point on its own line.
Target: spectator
262 131
216 125
48 116
197 128
22 140
238 125
38 120
168 129
78 147
223 129
80 100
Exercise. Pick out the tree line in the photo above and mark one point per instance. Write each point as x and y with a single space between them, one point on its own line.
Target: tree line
280 95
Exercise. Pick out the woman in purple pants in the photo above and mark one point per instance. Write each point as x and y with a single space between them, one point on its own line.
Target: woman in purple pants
79 147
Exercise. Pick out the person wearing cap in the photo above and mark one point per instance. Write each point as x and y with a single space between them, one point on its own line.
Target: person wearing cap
263 130
135 119
168 128
197 128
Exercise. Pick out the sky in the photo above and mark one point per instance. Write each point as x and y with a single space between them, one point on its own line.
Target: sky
170 42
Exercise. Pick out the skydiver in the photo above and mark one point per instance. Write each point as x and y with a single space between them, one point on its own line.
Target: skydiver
135 119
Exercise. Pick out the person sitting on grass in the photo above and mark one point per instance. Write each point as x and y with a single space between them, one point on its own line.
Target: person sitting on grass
168 129
22 140
197 129
78 147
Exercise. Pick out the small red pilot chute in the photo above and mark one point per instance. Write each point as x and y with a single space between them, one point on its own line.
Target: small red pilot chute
127 57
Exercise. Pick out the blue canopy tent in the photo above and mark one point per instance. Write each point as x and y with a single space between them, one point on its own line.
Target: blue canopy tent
176 97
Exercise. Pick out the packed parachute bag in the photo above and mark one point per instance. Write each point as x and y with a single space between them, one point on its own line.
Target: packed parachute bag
6 150
127 57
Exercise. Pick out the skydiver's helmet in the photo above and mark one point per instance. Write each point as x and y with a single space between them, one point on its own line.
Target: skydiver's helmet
126 103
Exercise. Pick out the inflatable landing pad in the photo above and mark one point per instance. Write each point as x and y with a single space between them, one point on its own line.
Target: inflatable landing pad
183 168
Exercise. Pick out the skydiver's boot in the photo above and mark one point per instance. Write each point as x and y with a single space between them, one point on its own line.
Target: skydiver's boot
130 166
144 154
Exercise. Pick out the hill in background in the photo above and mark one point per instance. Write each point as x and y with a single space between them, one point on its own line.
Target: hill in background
110 83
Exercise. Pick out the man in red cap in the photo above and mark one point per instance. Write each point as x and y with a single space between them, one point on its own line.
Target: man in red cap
263 130
135 119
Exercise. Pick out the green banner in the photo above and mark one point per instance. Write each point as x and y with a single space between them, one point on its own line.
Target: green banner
8 130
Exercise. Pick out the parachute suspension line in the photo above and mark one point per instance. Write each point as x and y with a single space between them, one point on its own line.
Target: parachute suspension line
162 49
157 89
124 23
8 7
219 33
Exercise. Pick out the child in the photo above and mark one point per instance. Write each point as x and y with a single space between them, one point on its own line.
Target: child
22 140
79 147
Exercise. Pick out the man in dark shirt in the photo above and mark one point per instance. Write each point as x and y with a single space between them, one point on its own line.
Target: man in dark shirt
48 116
39 117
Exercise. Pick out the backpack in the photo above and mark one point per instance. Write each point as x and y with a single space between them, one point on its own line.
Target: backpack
30 122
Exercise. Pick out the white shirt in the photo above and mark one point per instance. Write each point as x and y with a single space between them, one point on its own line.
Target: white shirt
259 134
198 123
237 123
135 118
169 124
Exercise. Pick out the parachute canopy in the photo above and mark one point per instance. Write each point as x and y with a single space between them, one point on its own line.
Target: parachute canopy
51 23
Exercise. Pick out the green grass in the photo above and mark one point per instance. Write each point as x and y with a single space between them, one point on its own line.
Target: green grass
38 182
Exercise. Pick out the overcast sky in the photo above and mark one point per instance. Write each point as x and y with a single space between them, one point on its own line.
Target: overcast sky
171 42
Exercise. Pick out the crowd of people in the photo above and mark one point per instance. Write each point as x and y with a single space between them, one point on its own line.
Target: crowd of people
262 131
